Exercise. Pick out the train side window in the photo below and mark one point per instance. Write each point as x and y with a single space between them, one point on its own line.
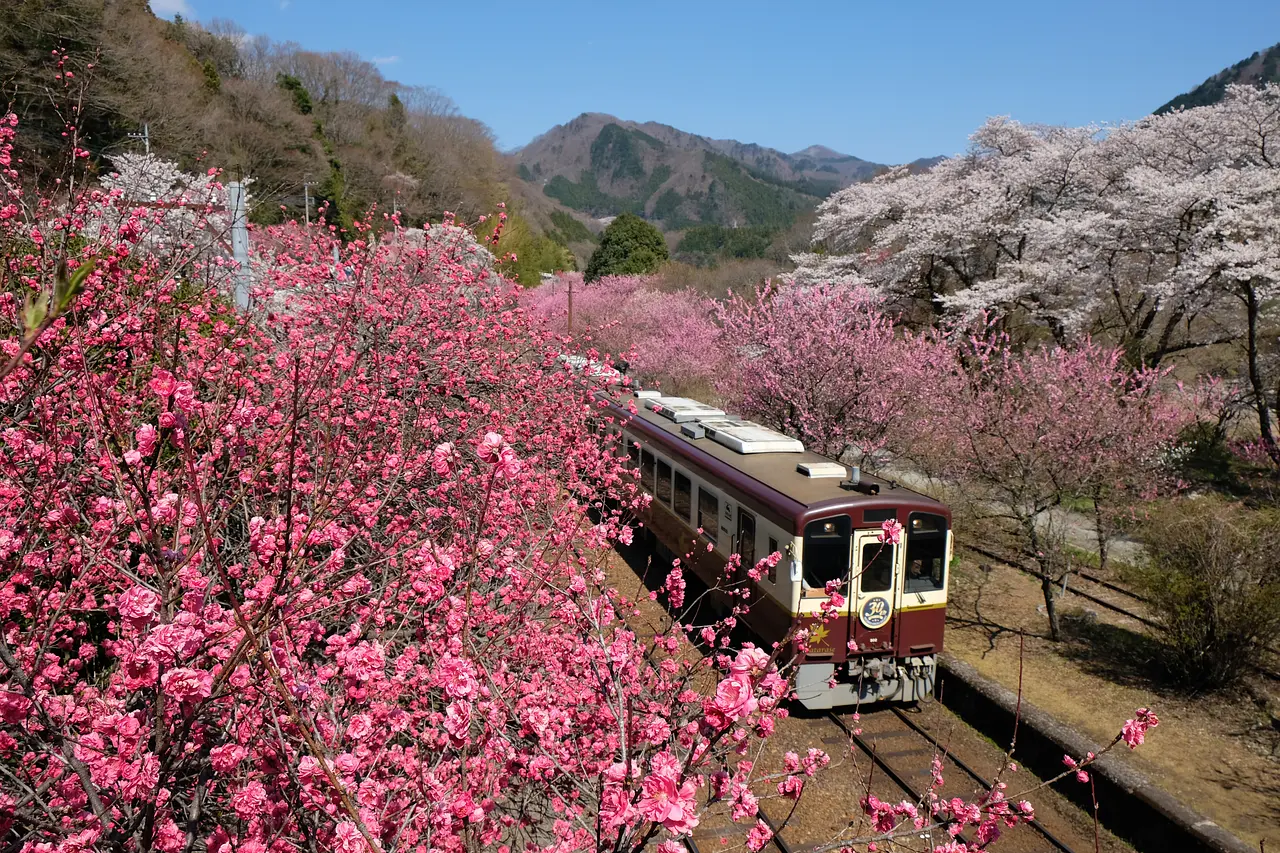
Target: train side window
773 570
664 482
877 566
926 553
746 538
633 450
647 468
683 497
708 514
826 551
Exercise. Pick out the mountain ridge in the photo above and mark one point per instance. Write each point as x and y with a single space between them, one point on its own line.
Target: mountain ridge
1261 67
601 165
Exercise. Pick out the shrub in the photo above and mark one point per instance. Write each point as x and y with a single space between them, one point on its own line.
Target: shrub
1213 577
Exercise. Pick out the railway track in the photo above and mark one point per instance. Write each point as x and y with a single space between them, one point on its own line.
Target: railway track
1087 576
910 770
1102 602
900 753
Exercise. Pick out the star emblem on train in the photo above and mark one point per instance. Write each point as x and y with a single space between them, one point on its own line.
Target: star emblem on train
819 635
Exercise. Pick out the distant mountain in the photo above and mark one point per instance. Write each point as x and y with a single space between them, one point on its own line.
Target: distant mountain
1262 67
602 166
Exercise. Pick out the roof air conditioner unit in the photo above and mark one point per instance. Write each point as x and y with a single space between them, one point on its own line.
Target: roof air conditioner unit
819 470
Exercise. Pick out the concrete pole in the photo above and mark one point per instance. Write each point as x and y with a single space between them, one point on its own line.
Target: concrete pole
240 242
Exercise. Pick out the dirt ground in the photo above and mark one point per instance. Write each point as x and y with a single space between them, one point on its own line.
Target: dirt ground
1217 753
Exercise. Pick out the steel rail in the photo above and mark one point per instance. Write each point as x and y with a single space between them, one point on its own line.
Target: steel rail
977 777
910 789
1150 623
778 840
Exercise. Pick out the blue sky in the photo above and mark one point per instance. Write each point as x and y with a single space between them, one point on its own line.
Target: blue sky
886 81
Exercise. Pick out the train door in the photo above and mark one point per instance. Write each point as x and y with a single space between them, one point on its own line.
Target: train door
745 548
872 600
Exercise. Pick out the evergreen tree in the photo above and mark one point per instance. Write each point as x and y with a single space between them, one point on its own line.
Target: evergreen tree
301 97
629 246
212 81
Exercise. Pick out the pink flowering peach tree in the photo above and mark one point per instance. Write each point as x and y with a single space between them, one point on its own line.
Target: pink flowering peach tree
828 366
326 574
310 575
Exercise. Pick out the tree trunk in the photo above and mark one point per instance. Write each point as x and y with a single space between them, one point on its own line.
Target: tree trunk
1050 605
1255 374
1102 530
1040 553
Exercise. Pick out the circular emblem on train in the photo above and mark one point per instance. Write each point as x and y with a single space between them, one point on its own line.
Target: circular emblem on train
875 612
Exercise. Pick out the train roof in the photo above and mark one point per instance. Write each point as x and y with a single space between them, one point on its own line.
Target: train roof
761 462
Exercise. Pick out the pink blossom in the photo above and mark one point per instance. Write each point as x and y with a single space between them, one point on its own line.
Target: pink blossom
227 757
250 800
1081 775
616 809
162 383
145 438
347 838
1135 730
759 836
664 801
457 721
735 697
184 397
890 532
14 707
442 458
750 661
138 605
360 727
187 685
490 446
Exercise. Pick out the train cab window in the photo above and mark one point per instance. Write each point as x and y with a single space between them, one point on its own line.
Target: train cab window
746 538
633 450
664 483
709 514
926 553
773 570
647 467
683 497
826 551
877 566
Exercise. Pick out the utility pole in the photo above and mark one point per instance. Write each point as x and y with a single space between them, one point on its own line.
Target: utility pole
145 136
571 305
307 183
240 242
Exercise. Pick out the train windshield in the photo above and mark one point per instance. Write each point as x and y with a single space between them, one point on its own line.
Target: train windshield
926 553
826 551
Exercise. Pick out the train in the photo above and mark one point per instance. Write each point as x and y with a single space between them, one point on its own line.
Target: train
722 484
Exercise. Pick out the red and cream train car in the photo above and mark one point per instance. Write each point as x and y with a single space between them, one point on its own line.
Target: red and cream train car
754 491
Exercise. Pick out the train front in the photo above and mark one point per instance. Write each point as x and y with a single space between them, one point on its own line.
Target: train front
877 638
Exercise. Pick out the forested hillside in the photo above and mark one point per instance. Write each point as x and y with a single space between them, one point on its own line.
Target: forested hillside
604 166
1262 67
214 96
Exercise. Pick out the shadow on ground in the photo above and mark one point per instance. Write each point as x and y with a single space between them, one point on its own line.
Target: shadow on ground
1111 652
